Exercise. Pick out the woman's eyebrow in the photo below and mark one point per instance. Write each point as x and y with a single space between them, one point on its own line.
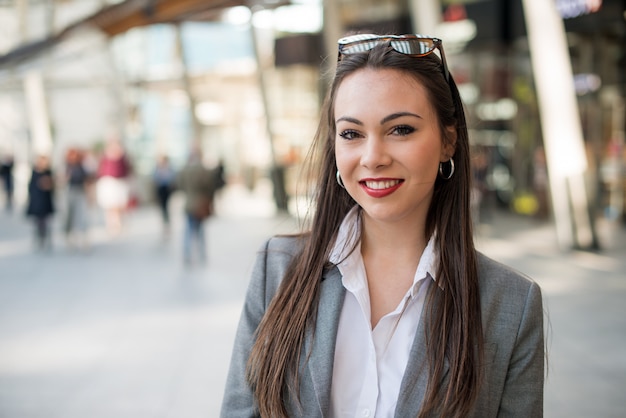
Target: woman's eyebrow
348 119
383 120
398 115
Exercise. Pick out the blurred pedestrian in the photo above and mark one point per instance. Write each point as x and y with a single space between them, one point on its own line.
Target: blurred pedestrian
198 184
220 176
540 183
479 198
77 180
40 205
6 173
112 188
163 178
90 164
384 308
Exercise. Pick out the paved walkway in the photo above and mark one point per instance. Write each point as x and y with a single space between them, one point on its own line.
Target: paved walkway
126 331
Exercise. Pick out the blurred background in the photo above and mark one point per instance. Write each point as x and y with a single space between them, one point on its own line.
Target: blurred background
117 325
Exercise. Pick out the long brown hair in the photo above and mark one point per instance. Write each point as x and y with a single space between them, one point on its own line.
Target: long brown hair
452 310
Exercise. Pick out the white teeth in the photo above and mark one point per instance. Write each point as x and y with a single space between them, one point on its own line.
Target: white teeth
377 185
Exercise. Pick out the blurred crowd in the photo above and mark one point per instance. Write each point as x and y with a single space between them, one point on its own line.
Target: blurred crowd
91 187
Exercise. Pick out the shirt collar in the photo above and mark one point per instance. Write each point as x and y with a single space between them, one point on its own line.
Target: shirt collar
427 266
346 252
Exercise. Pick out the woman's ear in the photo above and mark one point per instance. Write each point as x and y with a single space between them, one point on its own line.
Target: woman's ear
449 144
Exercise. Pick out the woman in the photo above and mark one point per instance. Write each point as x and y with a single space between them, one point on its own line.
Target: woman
385 308
112 188
77 179
41 201
163 179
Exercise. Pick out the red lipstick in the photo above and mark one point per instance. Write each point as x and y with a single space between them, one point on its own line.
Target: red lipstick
380 187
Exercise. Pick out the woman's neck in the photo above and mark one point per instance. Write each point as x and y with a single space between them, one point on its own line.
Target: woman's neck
391 254
406 240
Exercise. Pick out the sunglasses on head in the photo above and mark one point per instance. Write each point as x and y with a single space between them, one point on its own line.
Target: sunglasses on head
411 45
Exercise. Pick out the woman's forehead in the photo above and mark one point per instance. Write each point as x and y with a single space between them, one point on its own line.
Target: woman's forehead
381 89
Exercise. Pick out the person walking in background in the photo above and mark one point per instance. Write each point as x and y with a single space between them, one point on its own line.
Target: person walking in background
6 173
480 202
163 178
90 163
112 188
77 180
220 176
198 184
384 308
541 183
40 206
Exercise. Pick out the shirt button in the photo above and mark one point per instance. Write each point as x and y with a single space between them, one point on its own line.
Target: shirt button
366 413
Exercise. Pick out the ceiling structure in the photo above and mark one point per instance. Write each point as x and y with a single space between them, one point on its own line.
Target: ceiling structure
118 18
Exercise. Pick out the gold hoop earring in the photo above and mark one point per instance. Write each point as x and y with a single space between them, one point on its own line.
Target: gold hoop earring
449 176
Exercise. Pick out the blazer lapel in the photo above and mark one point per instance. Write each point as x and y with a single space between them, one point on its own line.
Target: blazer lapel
321 346
415 379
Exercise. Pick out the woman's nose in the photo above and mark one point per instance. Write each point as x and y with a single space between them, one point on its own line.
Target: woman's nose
375 153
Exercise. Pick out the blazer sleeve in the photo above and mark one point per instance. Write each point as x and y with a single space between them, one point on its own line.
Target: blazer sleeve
523 388
267 273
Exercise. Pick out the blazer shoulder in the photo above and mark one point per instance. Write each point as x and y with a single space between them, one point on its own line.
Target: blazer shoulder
494 273
506 292
284 244
280 250
272 261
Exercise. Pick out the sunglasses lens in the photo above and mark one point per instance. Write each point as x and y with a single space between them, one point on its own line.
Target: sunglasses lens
413 46
363 43
356 44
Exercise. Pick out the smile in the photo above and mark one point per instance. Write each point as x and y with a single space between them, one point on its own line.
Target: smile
380 187
384 184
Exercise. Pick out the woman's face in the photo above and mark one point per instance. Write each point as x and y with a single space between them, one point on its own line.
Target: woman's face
388 144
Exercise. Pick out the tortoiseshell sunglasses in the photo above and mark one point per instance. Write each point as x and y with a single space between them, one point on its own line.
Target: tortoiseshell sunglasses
412 45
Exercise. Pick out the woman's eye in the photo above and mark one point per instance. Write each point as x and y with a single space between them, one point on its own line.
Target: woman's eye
349 134
403 130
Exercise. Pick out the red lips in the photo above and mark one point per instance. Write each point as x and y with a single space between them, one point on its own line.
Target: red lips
380 187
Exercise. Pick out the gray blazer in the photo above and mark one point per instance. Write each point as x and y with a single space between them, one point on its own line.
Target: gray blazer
512 317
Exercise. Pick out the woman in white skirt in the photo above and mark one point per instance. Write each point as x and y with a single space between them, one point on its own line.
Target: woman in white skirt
112 189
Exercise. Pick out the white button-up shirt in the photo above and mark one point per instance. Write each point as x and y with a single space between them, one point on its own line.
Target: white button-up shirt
369 363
